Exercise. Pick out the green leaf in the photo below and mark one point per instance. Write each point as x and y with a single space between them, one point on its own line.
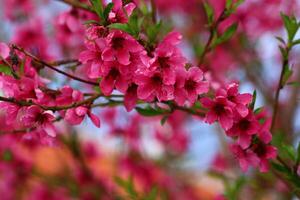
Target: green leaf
286 75
296 42
152 194
252 104
98 7
106 11
164 119
128 186
279 167
293 83
149 111
209 13
122 27
7 155
152 32
237 4
280 40
298 154
5 69
134 25
289 152
228 4
233 191
229 32
90 22
258 110
291 25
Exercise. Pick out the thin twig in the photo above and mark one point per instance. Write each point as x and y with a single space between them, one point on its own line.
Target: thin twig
54 68
78 4
279 87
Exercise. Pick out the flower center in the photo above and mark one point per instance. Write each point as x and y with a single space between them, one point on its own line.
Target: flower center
190 85
244 124
219 109
114 73
117 43
163 62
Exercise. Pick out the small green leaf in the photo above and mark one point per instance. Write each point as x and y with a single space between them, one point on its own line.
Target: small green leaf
258 110
296 42
293 83
252 104
280 40
298 154
286 75
152 195
209 13
5 69
98 7
289 152
152 32
164 119
90 22
149 111
291 25
128 186
122 27
279 167
228 4
7 155
107 10
229 32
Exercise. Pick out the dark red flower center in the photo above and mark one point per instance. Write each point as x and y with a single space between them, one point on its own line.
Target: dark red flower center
163 62
114 73
259 149
118 43
244 124
219 109
156 79
190 85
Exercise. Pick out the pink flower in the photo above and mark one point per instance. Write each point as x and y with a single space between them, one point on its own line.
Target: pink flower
118 46
35 116
245 157
68 96
151 85
244 128
191 86
233 95
112 78
130 98
219 109
264 153
11 111
93 61
4 50
120 14
264 133
168 58
76 115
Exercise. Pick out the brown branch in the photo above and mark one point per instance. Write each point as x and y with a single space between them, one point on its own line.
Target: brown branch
280 86
77 4
64 62
53 108
212 30
52 67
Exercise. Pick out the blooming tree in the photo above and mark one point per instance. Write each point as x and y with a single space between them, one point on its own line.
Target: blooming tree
169 64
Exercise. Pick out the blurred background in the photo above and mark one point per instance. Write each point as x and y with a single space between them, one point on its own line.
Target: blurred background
185 158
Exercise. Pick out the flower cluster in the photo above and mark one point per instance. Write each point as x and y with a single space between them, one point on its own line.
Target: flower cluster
116 61
30 105
251 130
123 64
